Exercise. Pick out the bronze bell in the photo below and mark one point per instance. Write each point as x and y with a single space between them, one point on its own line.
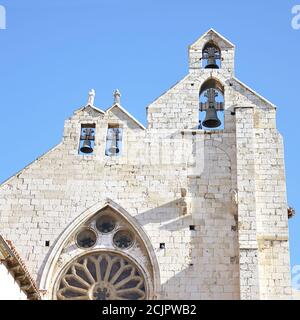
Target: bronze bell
114 137
114 149
211 55
88 135
86 147
211 119
212 65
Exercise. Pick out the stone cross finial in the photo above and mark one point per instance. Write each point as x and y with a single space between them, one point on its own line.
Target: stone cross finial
117 96
91 98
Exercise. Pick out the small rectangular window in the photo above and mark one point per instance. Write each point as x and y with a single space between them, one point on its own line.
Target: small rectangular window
114 141
162 246
87 139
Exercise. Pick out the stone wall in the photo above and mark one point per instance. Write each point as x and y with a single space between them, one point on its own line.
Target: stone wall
228 184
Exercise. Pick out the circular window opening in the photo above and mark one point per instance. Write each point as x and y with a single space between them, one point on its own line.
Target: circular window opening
106 224
102 276
123 239
86 238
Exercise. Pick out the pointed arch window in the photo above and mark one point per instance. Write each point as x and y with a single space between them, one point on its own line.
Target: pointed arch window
103 265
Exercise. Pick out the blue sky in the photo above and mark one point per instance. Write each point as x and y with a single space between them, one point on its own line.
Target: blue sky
53 52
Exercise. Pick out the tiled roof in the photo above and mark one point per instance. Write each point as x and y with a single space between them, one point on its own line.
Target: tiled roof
17 268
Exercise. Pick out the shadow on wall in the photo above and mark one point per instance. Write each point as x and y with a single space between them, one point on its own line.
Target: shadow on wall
200 263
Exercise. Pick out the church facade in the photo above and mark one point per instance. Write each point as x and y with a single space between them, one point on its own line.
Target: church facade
193 206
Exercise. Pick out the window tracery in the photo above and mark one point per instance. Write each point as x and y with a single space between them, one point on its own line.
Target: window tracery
101 267
102 276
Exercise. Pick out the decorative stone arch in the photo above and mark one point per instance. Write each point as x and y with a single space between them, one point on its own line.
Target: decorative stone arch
228 150
49 274
224 148
212 82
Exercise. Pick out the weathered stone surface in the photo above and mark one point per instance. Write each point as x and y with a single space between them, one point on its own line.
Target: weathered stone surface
229 184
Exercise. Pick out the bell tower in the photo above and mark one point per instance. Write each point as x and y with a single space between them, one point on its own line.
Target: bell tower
212 52
175 210
235 174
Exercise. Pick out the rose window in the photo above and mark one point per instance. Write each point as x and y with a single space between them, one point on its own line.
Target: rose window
102 276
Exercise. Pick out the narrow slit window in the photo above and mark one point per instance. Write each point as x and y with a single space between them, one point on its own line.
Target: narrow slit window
114 141
87 139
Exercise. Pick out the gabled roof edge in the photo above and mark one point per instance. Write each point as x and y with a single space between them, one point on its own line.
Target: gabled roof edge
166 91
117 105
255 93
217 34
88 105
15 265
26 167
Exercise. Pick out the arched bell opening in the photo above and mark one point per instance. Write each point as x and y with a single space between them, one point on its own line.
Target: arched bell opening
211 56
211 107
